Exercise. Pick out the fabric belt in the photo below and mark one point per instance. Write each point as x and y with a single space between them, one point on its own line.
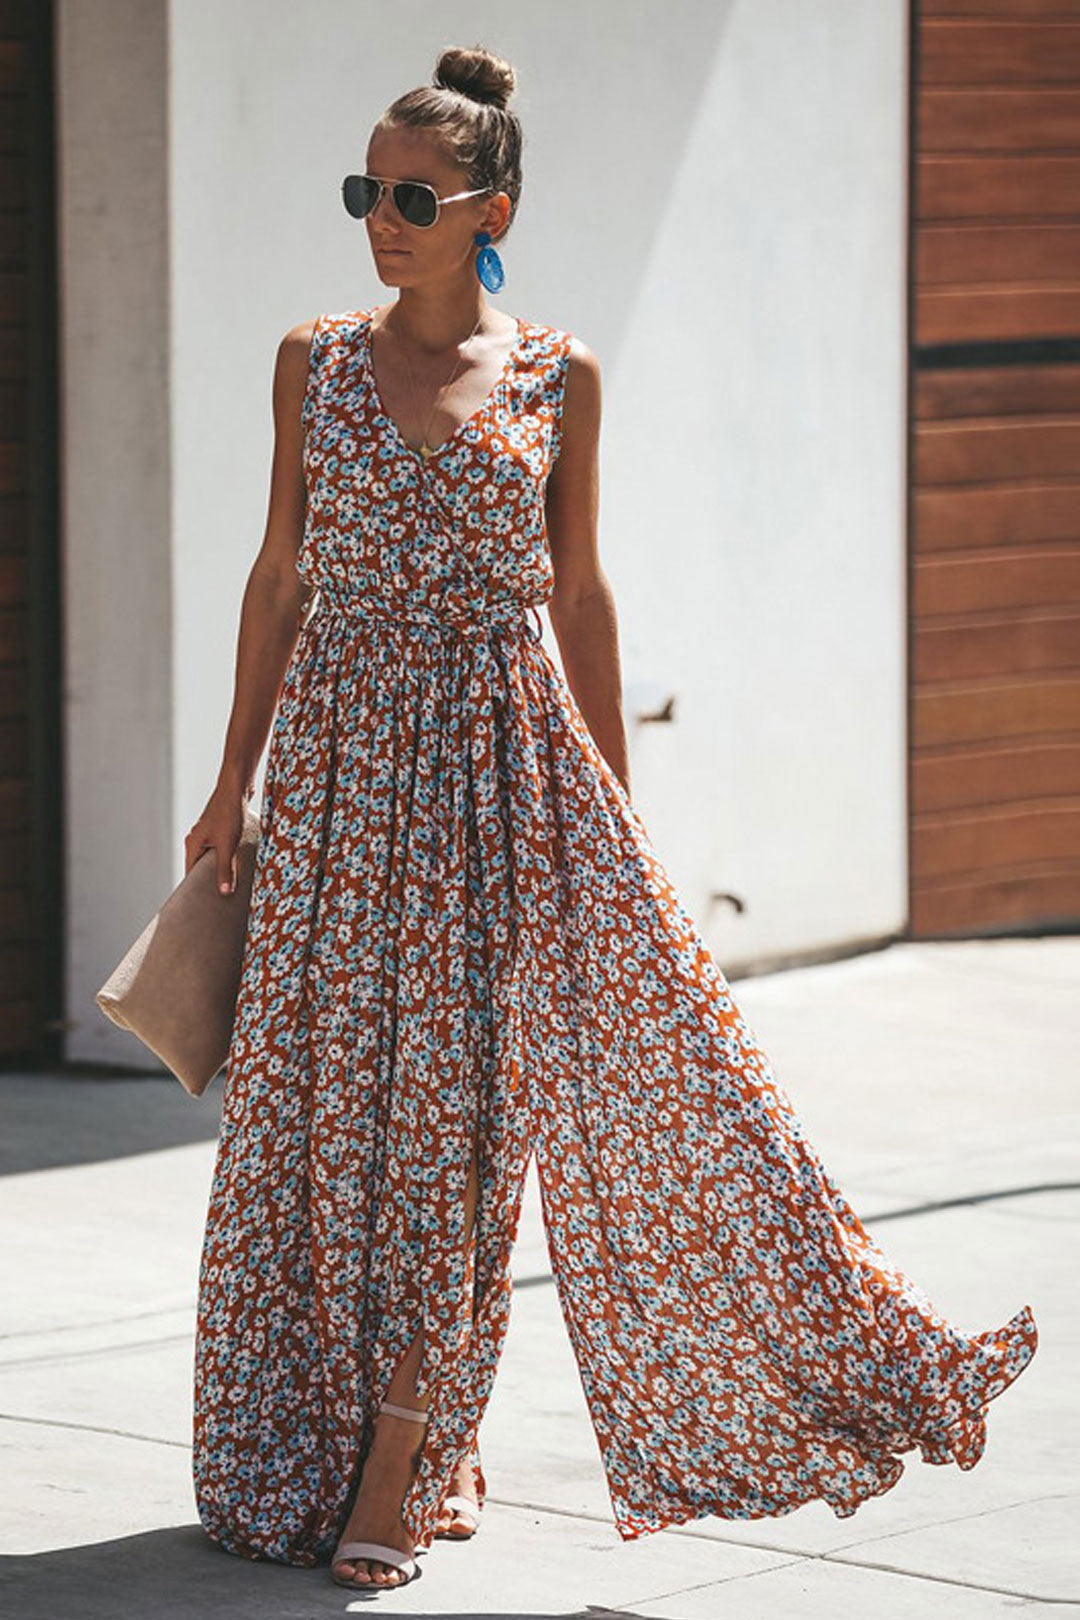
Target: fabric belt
495 618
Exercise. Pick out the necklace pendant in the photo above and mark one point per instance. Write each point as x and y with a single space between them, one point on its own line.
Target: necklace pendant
427 449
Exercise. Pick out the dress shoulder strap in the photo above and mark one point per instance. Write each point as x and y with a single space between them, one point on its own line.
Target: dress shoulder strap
332 347
315 354
543 366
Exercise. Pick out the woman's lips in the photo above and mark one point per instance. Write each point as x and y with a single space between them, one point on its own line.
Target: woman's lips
385 251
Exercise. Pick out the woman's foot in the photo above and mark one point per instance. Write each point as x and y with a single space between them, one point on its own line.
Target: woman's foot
450 1521
376 1513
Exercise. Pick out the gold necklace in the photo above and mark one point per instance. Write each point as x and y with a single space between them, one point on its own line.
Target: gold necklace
424 449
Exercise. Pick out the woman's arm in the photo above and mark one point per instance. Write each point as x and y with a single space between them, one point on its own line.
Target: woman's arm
582 606
269 618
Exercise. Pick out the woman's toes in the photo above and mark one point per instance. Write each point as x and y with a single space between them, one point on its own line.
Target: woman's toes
357 1573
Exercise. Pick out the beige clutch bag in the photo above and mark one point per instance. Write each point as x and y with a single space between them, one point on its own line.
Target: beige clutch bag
176 988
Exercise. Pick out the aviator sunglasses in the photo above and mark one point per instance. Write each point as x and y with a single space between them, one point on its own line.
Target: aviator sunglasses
416 201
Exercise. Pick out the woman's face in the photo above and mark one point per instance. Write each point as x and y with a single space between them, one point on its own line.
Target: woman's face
407 254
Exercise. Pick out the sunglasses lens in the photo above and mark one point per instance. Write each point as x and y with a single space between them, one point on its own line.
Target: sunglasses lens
358 192
416 203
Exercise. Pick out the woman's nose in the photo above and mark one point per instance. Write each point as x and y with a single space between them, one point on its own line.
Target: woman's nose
388 208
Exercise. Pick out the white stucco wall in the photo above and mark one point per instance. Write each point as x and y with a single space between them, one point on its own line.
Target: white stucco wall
715 202
116 503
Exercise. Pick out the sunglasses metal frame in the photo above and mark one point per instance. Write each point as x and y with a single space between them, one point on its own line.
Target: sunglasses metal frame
384 182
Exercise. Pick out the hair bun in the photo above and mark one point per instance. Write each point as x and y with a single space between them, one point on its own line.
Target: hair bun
475 73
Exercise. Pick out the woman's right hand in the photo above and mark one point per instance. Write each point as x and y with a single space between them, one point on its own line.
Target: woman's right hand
220 827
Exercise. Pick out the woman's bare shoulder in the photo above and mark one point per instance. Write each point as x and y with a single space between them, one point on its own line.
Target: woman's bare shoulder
291 366
295 347
581 360
583 387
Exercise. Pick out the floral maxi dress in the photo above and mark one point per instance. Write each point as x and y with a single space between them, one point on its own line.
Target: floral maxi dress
460 935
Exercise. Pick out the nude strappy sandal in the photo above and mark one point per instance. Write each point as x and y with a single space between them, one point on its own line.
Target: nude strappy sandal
460 1507
347 1551
463 1506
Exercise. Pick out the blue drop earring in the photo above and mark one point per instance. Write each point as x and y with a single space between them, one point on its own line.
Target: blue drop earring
489 266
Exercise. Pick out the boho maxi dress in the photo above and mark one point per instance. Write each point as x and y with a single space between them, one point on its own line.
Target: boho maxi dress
460 933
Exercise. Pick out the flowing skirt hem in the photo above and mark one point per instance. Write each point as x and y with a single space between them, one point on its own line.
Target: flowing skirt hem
1000 1355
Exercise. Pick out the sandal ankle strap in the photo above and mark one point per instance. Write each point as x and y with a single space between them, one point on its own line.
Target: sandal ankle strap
417 1414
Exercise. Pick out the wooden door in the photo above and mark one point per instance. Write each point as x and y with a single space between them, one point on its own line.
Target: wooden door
995 467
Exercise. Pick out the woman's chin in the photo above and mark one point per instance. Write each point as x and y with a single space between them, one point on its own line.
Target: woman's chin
391 269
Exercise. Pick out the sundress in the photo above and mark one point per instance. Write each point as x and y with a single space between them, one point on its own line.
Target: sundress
460 931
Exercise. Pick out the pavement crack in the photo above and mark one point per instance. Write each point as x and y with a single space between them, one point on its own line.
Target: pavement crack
965 1200
948 1580
854 1563
956 1518
90 1351
787 1556
94 1428
98 1322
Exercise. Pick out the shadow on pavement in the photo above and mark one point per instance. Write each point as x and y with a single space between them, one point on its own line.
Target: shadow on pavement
180 1572
49 1119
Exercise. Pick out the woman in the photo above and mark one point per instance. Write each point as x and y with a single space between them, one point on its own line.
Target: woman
462 948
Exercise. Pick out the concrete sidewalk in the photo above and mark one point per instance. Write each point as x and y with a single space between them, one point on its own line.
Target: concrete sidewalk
940 1085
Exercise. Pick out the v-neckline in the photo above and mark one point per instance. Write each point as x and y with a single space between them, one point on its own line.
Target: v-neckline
484 405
